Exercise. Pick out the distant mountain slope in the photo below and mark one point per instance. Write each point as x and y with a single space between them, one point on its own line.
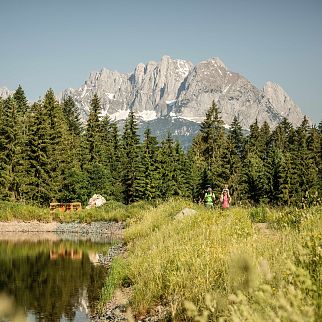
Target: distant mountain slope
176 88
4 92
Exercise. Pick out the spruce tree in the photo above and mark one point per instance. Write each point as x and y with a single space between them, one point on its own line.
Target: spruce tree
167 156
72 116
255 178
95 162
198 182
234 154
116 157
236 137
38 188
93 130
305 172
148 178
21 101
253 139
60 154
213 137
131 159
182 172
10 152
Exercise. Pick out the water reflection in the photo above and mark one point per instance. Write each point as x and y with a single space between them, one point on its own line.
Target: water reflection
50 280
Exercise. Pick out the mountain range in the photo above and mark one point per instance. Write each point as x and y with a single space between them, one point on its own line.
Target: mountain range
176 88
174 95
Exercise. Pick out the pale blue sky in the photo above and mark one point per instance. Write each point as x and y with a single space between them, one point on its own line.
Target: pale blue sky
58 43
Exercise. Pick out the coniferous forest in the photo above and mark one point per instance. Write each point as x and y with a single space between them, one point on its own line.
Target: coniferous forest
46 153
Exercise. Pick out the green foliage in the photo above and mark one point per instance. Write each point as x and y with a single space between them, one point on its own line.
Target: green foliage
116 278
130 163
46 153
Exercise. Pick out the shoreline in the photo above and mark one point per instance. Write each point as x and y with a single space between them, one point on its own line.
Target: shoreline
35 230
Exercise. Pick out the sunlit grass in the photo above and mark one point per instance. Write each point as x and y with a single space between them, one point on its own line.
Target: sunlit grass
221 254
111 211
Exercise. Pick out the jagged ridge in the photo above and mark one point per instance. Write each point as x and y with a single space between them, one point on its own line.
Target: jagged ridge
176 88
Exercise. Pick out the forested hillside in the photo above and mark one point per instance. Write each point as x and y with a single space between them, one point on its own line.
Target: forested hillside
46 153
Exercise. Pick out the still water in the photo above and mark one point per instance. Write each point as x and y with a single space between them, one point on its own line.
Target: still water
56 280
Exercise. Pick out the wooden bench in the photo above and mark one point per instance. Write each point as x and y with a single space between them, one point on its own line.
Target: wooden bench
69 206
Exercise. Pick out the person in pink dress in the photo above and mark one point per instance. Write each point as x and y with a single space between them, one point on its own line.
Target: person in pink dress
225 198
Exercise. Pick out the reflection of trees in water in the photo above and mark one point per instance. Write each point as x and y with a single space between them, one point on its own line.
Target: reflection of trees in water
51 288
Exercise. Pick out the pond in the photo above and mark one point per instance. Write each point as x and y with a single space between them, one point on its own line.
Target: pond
50 280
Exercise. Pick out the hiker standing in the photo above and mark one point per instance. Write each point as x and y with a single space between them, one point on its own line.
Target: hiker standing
209 198
225 198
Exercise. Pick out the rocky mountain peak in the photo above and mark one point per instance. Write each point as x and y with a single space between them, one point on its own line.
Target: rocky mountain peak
177 88
282 103
5 92
216 61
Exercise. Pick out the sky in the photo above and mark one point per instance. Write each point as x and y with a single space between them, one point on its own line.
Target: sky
56 44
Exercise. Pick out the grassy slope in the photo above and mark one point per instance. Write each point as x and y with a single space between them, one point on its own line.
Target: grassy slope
218 264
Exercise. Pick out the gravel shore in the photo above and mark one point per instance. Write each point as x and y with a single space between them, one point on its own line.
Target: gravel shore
34 230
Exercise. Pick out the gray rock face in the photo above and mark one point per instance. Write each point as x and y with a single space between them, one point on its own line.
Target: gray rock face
176 88
4 92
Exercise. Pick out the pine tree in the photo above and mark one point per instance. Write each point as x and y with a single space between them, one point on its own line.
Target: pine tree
213 137
116 157
10 152
167 155
305 172
95 162
182 172
131 159
198 167
253 139
285 191
21 101
282 135
148 177
235 152
60 154
72 116
38 188
93 130
236 137
314 156
255 178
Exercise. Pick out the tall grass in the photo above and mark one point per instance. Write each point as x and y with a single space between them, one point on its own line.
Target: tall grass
221 266
111 211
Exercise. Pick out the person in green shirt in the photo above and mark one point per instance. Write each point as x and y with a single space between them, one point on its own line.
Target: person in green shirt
209 198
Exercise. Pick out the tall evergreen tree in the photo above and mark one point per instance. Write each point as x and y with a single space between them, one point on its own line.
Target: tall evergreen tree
93 130
213 136
236 137
131 159
60 151
167 155
148 177
21 101
72 116
116 157
38 188
303 171
10 152
235 152
255 178
95 162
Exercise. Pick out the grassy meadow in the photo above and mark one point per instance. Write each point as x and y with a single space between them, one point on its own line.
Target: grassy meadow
222 265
